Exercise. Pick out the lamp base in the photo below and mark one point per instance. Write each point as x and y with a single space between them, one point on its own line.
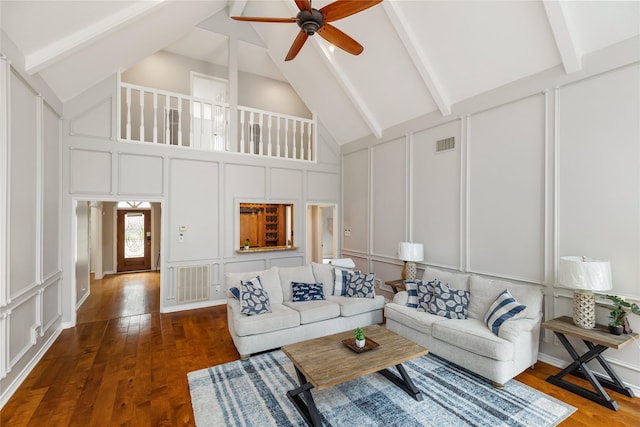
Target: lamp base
584 309
410 270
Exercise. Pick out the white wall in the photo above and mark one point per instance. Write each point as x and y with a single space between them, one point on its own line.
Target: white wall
30 237
545 167
199 190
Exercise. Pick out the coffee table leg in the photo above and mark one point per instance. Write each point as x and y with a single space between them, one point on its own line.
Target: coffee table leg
303 401
403 381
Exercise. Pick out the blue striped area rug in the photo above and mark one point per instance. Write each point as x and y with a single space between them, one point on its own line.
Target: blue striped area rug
253 393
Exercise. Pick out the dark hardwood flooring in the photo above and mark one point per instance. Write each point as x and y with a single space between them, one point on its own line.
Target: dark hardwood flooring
126 364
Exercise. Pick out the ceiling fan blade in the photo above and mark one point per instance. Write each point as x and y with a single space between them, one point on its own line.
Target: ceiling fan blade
343 8
297 45
303 4
340 39
261 19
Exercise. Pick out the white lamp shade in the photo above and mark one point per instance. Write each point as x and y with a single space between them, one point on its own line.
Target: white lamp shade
585 273
408 251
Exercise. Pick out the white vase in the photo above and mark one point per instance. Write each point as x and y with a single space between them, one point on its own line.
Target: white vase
360 343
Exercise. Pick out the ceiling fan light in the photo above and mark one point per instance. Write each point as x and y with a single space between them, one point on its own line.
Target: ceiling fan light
310 27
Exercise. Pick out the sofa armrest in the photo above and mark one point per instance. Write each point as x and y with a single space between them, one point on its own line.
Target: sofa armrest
511 329
401 298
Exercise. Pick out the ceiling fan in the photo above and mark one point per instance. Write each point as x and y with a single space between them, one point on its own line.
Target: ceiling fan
313 21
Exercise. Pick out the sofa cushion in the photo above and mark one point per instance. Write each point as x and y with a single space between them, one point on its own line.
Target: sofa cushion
302 274
301 292
485 291
472 335
505 307
269 278
253 299
353 306
412 318
315 311
323 273
281 317
447 301
454 279
360 285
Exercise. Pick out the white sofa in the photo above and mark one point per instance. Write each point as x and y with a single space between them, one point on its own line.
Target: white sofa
289 321
469 342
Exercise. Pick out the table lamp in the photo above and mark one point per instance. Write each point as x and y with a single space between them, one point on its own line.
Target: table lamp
585 275
410 253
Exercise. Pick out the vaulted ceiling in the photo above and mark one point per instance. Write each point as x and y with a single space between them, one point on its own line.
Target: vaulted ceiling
420 57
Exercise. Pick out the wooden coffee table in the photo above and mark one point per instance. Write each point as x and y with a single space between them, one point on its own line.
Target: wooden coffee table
325 362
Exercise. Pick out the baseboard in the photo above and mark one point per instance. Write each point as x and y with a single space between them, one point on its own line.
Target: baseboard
17 382
193 306
561 364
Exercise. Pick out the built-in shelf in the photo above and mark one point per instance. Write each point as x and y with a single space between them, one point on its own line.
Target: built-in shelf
266 249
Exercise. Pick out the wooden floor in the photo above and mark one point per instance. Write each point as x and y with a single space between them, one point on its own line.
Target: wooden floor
127 364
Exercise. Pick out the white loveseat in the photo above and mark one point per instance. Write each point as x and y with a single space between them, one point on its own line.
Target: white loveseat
290 322
469 342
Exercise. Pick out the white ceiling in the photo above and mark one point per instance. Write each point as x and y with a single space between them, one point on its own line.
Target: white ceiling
420 56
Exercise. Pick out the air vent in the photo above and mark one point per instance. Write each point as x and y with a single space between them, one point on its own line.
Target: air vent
446 144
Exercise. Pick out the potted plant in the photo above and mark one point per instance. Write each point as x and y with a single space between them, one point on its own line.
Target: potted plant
246 243
618 322
360 340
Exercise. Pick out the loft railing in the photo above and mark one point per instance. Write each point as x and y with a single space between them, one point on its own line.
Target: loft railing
149 115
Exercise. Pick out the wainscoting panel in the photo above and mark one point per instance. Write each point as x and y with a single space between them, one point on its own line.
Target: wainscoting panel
91 172
323 186
599 178
389 201
355 201
506 185
285 184
131 179
435 194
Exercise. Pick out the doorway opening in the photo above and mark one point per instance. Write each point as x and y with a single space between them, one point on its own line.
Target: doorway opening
115 237
322 239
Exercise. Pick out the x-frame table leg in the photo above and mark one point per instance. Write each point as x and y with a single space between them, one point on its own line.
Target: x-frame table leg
303 401
579 368
404 381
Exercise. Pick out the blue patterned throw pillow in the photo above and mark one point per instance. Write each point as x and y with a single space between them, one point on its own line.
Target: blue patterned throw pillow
361 285
424 294
448 302
412 291
253 299
306 292
505 307
235 292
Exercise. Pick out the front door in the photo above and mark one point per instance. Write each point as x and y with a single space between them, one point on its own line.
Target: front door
134 240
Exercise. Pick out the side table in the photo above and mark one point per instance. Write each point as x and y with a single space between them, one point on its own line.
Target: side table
597 341
396 285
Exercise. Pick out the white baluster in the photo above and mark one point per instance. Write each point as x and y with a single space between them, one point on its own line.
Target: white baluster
295 144
278 136
167 132
180 122
191 141
128 114
269 127
241 130
211 138
309 144
260 133
286 138
252 134
301 139
155 118
141 115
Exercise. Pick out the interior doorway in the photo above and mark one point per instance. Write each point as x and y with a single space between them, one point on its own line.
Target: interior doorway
134 240
322 239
